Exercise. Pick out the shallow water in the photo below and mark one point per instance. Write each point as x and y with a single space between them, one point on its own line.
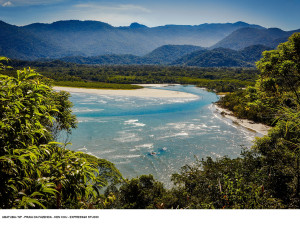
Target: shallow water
155 135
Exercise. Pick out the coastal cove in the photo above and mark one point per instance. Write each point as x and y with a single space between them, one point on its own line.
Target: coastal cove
155 135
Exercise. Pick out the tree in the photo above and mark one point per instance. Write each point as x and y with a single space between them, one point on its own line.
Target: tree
141 193
280 71
223 183
278 87
37 172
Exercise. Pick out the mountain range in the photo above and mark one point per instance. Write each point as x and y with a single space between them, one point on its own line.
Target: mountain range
94 42
94 38
248 36
181 55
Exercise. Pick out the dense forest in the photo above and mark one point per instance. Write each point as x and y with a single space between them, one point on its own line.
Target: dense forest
37 172
70 74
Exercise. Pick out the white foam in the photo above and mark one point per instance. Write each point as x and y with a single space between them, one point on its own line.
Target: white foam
145 146
102 101
181 134
90 119
107 151
82 149
125 156
134 123
80 110
127 137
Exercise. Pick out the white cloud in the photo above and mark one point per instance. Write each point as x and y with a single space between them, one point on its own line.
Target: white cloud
7 4
114 8
116 15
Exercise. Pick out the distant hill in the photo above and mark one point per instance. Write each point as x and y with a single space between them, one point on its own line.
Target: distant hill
16 42
253 53
93 38
184 60
162 55
248 36
168 53
223 57
181 55
220 57
94 42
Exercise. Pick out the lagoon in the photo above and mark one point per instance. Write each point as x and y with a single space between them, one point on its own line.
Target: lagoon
146 135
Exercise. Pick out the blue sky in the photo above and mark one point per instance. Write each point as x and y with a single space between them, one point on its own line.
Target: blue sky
284 14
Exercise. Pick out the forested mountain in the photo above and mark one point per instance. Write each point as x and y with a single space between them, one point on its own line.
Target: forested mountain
219 57
248 36
253 53
185 55
93 38
16 42
168 53
93 42
223 57
163 55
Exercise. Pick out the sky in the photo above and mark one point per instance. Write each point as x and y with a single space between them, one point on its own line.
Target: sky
284 14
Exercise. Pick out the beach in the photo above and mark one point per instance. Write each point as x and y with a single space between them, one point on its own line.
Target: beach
257 127
144 92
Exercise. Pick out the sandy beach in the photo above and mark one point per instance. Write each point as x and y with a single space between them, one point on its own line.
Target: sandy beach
156 85
257 127
144 92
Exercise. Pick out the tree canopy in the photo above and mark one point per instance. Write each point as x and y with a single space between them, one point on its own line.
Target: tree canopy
36 171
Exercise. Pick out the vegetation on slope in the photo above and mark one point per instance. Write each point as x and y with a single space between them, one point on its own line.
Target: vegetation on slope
276 87
223 57
185 55
248 36
37 172
218 79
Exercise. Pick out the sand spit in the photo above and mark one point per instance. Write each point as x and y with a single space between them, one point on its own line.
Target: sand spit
144 92
156 85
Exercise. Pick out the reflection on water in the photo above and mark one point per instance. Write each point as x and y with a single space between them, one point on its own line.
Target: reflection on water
154 135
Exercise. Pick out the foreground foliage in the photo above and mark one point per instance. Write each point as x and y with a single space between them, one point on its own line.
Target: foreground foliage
35 171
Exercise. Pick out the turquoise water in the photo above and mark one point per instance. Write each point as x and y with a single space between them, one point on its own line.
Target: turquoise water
154 135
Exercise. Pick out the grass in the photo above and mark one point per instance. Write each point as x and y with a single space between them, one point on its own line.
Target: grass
96 85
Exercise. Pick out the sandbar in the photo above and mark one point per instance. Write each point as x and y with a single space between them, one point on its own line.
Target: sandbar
144 92
257 127
156 85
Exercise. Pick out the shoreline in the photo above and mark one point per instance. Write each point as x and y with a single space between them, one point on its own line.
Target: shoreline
256 127
156 85
144 92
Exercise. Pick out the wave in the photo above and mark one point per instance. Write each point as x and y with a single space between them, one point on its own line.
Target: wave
81 110
127 137
125 156
134 123
90 119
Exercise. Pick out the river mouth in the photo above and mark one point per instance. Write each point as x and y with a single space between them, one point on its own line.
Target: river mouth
155 135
